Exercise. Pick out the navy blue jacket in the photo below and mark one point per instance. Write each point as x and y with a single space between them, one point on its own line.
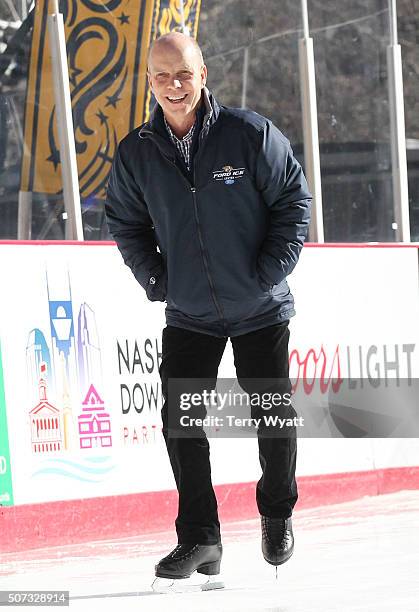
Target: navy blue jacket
217 249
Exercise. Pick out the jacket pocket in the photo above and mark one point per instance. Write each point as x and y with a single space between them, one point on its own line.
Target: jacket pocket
266 288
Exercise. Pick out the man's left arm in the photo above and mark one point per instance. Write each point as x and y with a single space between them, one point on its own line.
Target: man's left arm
284 188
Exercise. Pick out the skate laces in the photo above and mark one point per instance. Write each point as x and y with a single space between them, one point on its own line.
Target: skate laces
175 550
189 549
274 529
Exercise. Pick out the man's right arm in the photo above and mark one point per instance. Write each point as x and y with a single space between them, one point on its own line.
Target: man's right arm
131 227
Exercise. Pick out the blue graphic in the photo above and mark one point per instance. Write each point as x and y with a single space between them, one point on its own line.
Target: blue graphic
82 471
88 350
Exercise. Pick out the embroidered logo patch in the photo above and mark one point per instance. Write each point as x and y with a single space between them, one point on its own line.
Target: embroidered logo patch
228 174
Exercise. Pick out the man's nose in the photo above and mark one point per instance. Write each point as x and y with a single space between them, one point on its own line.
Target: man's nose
176 83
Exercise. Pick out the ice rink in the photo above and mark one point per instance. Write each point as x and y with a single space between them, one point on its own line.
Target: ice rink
356 556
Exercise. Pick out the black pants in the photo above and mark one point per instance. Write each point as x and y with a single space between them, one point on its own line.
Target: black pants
259 354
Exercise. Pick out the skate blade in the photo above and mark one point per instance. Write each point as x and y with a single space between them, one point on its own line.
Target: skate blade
212 583
186 585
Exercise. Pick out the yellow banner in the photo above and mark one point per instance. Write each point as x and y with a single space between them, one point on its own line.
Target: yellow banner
107 43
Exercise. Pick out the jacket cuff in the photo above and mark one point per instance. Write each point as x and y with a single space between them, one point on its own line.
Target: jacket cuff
156 289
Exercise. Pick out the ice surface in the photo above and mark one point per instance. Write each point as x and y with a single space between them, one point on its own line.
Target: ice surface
357 556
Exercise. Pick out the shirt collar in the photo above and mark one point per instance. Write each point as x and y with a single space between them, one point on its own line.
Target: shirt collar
207 106
203 115
187 136
211 108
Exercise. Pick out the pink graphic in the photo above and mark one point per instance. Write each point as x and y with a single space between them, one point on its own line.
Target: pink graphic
45 420
94 422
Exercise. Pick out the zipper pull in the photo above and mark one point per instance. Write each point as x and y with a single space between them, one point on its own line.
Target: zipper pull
193 189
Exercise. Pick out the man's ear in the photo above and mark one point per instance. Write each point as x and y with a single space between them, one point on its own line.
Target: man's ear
204 74
149 79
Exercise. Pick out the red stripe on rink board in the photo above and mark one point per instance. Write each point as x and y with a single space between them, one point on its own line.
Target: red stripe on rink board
322 245
101 518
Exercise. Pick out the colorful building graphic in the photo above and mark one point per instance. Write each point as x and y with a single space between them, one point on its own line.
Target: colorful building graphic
45 420
61 323
94 422
37 352
88 348
68 421
64 371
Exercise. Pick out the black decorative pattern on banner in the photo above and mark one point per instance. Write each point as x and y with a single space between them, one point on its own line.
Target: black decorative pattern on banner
106 161
100 6
108 77
55 154
68 7
73 17
79 36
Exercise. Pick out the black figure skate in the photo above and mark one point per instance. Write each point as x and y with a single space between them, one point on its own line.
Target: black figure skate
277 540
184 560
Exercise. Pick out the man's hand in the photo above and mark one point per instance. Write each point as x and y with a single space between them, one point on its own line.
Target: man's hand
265 284
157 287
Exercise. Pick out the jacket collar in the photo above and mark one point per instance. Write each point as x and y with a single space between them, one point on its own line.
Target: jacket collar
212 111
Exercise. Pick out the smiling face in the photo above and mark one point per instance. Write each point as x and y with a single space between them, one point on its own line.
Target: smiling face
176 75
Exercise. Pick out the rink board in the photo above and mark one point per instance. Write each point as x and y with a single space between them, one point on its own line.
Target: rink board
88 425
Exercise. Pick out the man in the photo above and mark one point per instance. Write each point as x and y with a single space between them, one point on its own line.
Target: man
210 209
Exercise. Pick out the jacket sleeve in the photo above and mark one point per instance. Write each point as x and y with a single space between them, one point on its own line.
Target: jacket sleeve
284 188
131 226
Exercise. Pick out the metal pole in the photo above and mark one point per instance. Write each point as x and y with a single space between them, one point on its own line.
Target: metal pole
185 30
245 75
24 210
310 128
304 15
397 131
24 215
73 224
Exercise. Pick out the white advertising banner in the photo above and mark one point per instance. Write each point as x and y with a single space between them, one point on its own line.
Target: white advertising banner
80 347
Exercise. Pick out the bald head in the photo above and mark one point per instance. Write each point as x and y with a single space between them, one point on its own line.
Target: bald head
175 42
177 74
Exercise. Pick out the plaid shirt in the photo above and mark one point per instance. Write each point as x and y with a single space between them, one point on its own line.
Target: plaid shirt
184 144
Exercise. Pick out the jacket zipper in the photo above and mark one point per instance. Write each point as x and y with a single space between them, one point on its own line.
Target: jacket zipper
203 253
204 257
